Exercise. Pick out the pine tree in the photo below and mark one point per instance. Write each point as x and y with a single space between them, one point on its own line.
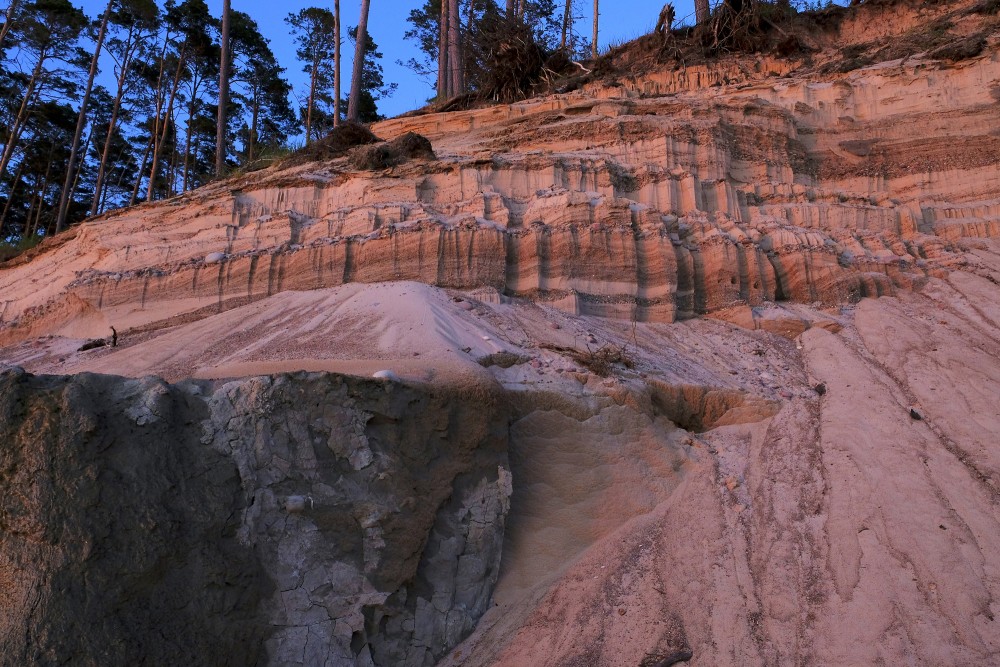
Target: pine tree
47 31
259 90
373 85
220 137
189 21
132 25
82 120
315 31
353 108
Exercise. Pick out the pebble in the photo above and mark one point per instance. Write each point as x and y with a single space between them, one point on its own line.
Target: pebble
295 504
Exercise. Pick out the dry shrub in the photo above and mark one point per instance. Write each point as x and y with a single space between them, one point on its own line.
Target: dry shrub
343 138
373 158
506 63
963 49
381 156
503 359
600 362
413 146
744 26
987 7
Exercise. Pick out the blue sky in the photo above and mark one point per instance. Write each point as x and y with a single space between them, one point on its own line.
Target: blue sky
620 21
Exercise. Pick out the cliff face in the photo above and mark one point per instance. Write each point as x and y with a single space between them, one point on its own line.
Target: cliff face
309 519
694 363
657 197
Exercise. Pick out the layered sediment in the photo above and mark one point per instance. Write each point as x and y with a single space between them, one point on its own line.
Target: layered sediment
652 201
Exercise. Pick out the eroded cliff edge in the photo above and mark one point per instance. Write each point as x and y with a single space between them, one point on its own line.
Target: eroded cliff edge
296 519
660 196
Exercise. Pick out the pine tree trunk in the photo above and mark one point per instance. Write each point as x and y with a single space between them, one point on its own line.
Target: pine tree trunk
22 116
220 137
8 20
142 169
81 121
187 142
79 170
593 44
312 97
454 49
252 139
29 229
336 64
511 8
444 81
174 166
118 183
354 106
10 193
160 97
567 18
701 10
41 195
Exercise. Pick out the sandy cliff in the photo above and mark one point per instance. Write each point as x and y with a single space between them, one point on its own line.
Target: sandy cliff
668 195
727 335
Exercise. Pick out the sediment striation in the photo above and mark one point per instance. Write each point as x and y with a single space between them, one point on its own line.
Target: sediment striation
672 194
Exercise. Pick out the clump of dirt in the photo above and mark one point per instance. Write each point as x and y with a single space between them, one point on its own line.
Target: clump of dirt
93 344
384 155
963 49
853 57
342 139
600 362
987 7
503 359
